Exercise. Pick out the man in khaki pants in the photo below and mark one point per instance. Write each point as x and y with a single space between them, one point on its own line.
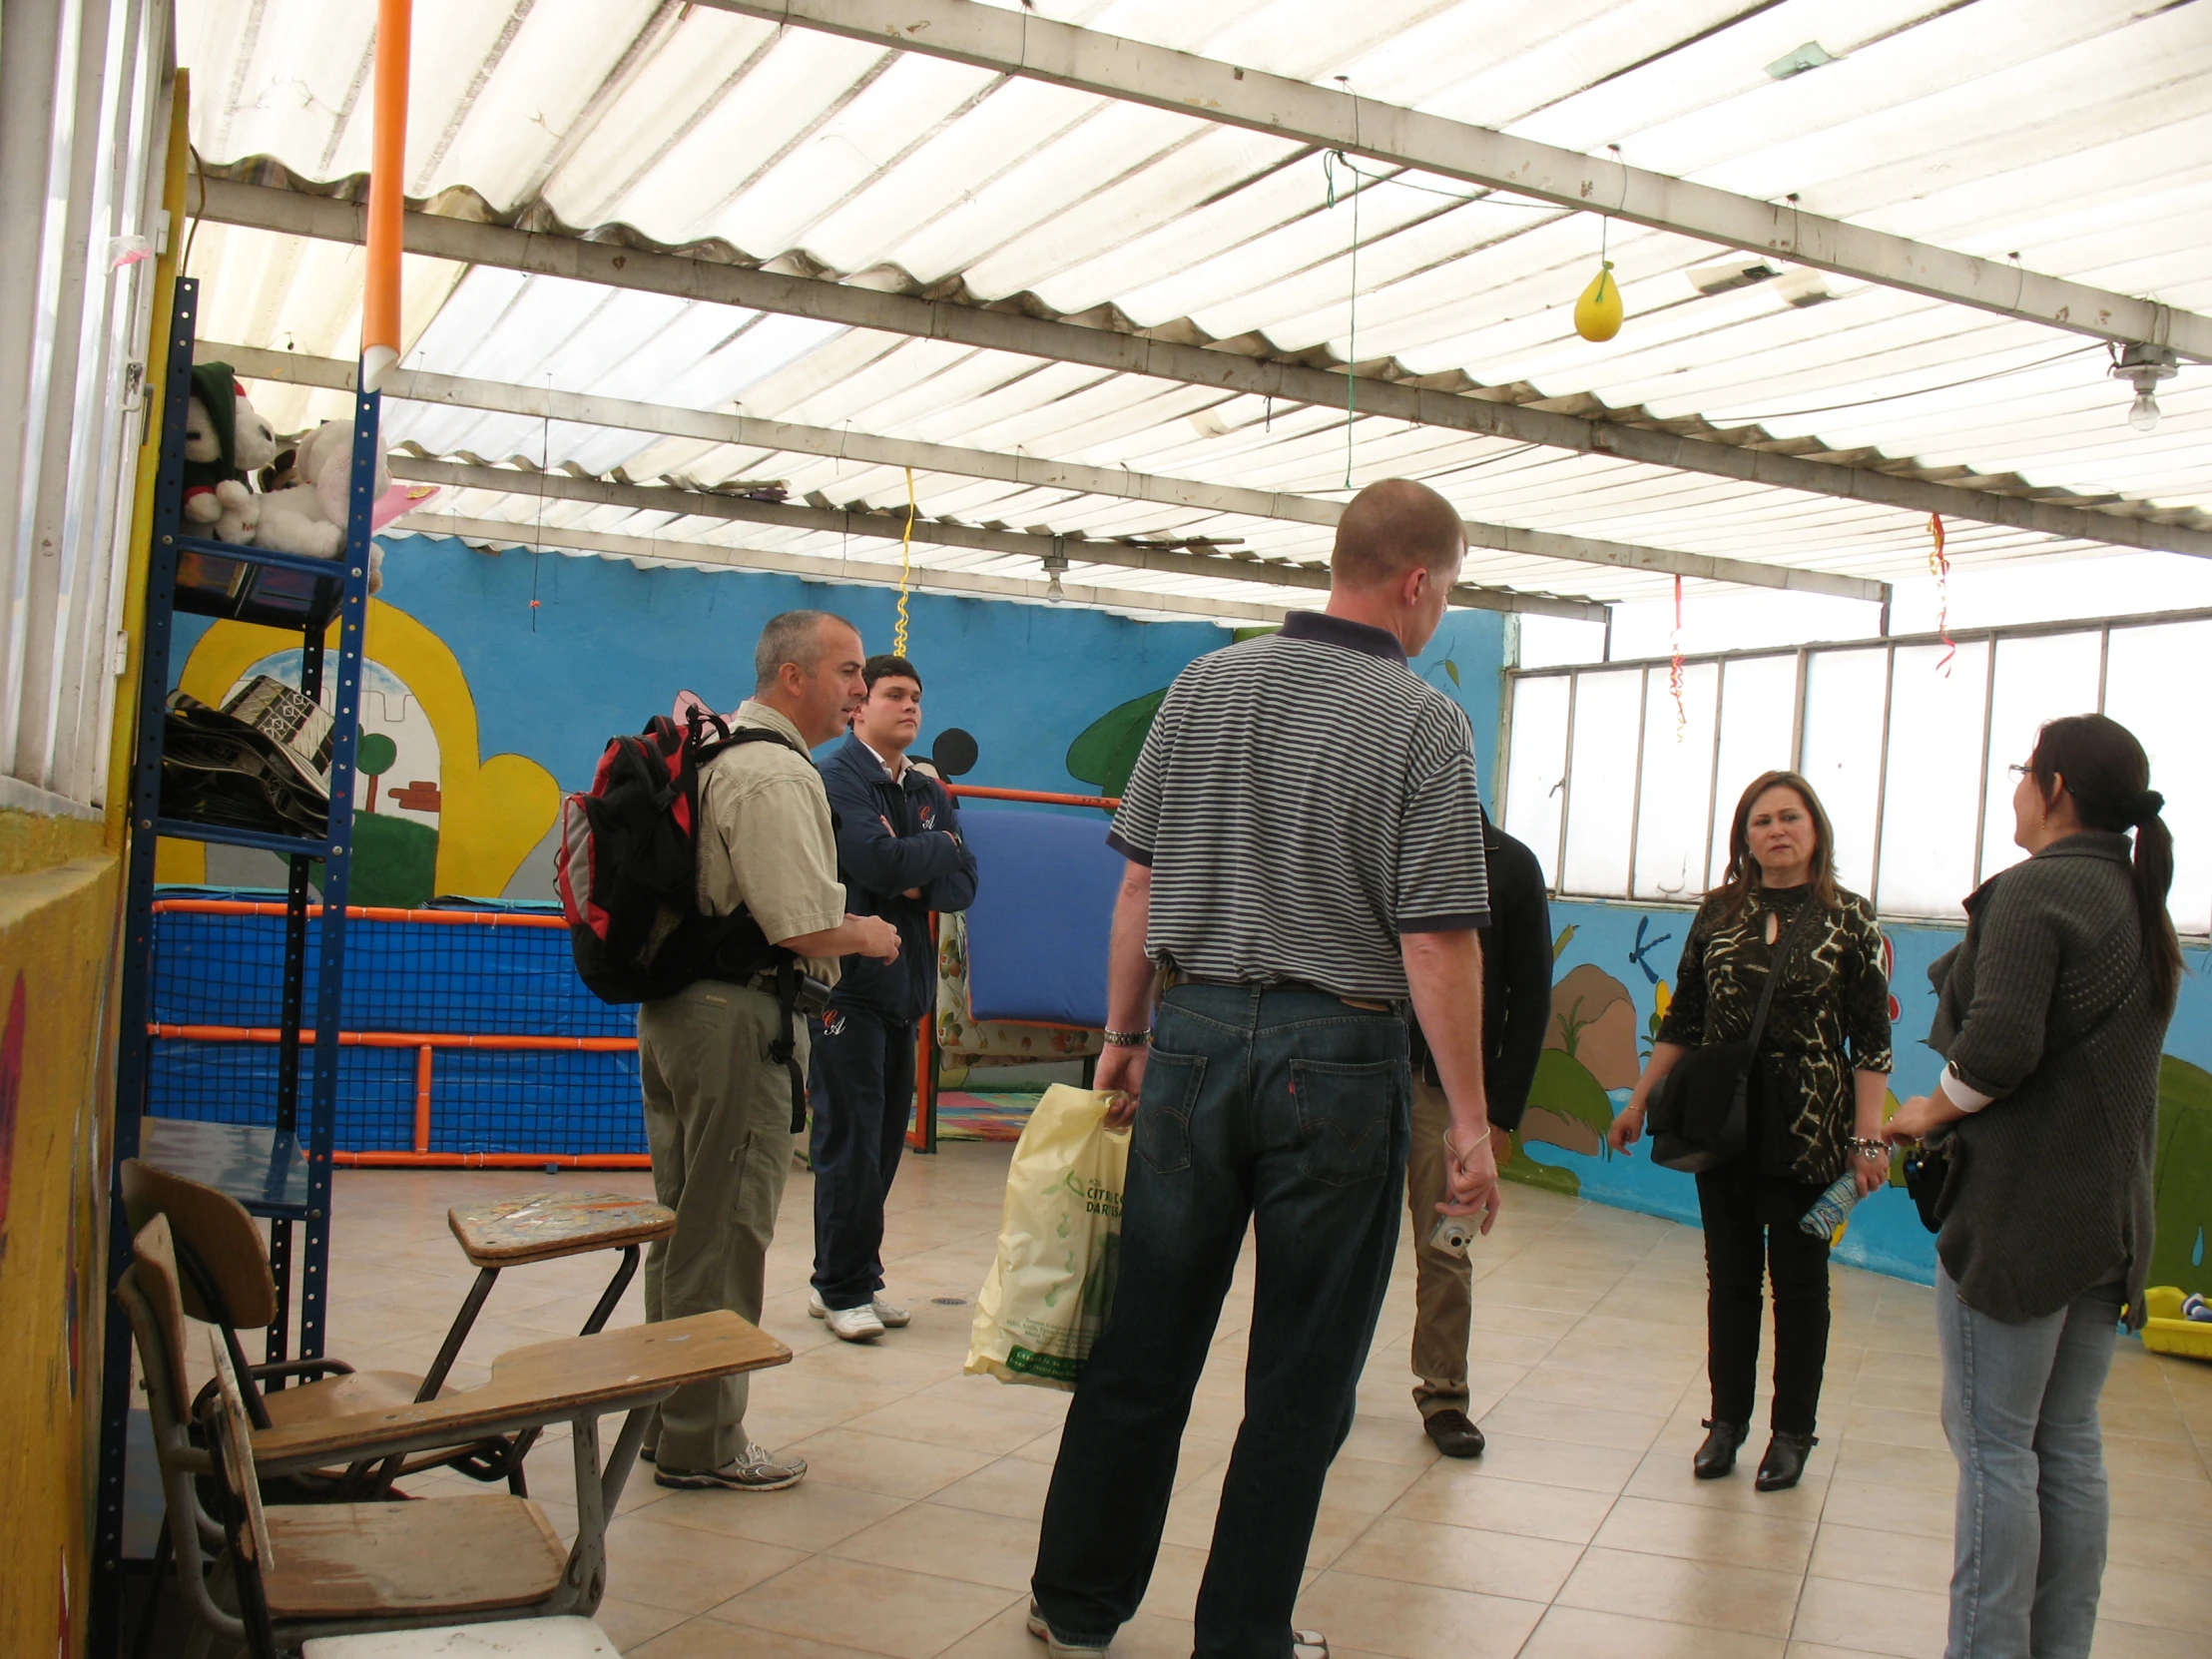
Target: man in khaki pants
718 1105
1516 1013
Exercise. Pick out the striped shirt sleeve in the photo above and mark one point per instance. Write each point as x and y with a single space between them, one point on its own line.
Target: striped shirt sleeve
1442 876
1137 820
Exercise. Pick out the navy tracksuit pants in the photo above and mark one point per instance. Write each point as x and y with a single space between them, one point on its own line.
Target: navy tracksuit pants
862 1091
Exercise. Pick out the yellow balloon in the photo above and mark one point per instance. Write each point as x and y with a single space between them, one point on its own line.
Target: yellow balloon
1597 315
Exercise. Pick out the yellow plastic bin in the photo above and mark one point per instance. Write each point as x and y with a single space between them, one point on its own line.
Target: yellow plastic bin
2166 1332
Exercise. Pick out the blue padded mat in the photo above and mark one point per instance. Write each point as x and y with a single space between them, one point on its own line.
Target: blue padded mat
1044 907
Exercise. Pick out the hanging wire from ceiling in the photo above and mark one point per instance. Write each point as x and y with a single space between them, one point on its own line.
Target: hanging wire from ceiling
1328 162
1898 396
905 569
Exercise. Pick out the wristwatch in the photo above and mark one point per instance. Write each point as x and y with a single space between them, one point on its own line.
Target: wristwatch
1127 1039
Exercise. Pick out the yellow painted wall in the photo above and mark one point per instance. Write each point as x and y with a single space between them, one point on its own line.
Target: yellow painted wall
56 929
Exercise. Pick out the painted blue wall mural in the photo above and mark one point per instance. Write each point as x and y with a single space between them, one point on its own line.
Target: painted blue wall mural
1614 970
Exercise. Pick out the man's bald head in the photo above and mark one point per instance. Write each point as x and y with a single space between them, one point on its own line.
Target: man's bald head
1392 528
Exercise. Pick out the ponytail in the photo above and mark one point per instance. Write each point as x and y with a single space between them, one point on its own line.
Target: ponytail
2104 769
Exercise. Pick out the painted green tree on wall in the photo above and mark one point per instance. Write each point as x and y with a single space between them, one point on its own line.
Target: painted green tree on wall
2182 1175
1105 752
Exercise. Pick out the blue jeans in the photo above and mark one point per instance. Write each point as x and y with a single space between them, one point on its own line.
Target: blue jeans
2020 1411
861 1092
1288 1108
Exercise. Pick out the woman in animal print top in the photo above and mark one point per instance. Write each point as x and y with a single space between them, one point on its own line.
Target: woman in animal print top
1819 1085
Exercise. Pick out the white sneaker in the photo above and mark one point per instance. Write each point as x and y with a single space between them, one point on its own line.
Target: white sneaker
759 1471
853 1325
893 1315
1054 1646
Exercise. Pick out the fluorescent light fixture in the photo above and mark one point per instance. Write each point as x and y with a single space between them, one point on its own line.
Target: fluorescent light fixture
1809 56
1736 273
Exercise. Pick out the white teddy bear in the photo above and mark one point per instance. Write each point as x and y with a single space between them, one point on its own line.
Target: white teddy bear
309 517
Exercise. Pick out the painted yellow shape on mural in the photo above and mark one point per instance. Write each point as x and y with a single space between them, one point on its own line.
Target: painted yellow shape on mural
493 813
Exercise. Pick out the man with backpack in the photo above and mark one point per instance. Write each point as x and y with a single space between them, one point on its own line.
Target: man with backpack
900 854
718 1056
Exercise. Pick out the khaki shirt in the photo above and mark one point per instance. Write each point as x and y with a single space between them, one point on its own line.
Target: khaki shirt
765 839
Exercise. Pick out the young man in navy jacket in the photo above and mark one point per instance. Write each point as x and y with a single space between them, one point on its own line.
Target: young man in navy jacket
901 857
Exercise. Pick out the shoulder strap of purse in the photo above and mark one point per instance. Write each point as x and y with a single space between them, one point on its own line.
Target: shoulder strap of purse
1776 968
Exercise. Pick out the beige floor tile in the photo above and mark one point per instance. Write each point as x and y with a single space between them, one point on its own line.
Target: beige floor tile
2161 1545
1909 1624
1586 1368
1747 1599
1459 1497
684 1569
880 1463
1918 1509
811 1515
1414 1621
1686 1531
632 1624
935 1420
948 1542
1593 1426
1366 1486
1010 1486
1558 1462
2118 1640
1871 1555
2169 1600
854 1604
1583 1633
710 1638
1461 1558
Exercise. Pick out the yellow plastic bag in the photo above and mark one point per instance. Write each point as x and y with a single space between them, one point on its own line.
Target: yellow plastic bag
1059 1244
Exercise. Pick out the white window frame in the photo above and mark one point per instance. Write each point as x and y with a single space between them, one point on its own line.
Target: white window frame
2103 628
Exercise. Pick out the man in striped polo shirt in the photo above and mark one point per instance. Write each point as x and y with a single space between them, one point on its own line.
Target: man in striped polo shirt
1305 850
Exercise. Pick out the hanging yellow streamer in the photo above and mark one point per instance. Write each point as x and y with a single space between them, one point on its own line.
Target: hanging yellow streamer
905 569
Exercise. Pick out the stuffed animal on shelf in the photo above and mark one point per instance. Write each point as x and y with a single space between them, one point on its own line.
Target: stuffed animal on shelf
225 439
308 516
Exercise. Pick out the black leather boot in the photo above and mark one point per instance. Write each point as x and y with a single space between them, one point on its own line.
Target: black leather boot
1785 1460
1718 1454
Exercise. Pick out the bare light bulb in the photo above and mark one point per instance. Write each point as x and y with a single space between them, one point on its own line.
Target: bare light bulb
2142 414
1053 592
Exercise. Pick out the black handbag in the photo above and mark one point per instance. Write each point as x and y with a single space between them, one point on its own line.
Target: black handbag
1927 1173
1699 1114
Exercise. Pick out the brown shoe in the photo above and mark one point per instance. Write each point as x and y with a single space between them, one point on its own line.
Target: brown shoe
1455 1433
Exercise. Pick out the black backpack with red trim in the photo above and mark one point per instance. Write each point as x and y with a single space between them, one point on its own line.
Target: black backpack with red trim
628 867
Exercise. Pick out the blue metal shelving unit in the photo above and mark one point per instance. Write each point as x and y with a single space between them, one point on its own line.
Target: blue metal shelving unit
280 1171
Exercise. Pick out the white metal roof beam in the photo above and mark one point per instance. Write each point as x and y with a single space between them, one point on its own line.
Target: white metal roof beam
870 573
616 264
889 526
1112 66
541 402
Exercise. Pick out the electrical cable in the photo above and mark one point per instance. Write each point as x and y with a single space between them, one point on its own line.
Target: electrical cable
1896 396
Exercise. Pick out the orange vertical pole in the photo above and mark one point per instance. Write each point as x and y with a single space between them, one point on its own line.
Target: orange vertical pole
424 1061
922 1133
387 180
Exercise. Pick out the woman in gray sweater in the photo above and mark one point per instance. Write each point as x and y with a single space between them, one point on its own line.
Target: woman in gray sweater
2051 1015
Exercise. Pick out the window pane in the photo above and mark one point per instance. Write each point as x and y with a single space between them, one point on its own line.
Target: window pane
2039 678
2152 688
1843 751
1678 783
1535 769
1601 783
1758 714
1933 779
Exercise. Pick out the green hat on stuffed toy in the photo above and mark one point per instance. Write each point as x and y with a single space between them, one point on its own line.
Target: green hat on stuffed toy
216 385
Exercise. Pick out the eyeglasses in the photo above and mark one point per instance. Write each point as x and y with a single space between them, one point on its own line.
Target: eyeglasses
2018 770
